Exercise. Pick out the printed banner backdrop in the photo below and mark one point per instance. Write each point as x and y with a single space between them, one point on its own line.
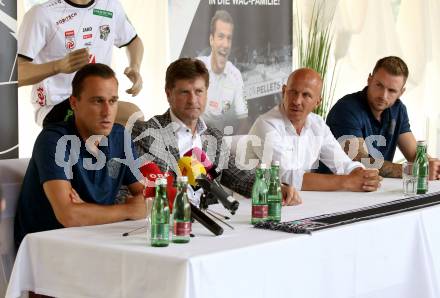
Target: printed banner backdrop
8 81
261 50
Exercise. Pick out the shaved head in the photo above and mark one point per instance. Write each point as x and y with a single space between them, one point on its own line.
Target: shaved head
301 95
307 74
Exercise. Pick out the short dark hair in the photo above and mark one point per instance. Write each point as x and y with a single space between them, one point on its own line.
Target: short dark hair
90 70
393 65
223 16
185 69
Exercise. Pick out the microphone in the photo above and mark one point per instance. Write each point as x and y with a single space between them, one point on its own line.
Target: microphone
202 157
212 188
205 220
151 172
171 190
191 168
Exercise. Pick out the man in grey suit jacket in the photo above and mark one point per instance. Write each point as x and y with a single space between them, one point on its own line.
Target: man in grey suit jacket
165 138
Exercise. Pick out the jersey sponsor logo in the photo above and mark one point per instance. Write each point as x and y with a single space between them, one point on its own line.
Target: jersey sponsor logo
70 39
54 3
103 13
87 29
66 18
104 31
41 96
87 36
69 33
88 44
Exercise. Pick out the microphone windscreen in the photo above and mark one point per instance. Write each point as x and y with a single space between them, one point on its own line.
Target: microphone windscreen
171 190
149 192
150 168
201 156
151 172
191 168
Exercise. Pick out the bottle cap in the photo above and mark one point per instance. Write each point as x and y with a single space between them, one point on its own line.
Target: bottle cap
421 143
263 166
276 163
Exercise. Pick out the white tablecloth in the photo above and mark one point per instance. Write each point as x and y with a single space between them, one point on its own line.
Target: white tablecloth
396 256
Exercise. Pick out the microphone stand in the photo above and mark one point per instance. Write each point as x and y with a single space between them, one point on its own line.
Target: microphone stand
205 200
218 214
134 230
212 213
196 214
205 220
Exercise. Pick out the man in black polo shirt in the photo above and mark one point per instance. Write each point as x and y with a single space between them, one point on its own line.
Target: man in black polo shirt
76 168
376 118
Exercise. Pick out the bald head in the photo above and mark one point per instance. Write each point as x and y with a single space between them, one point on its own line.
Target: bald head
301 95
306 74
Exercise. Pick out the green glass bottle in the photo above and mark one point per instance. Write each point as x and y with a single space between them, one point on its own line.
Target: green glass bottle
181 212
259 196
160 215
422 164
274 196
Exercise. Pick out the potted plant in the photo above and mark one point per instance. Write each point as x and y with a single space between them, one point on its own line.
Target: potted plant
314 45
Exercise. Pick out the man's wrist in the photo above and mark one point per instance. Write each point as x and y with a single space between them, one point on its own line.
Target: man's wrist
343 182
55 67
129 211
136 67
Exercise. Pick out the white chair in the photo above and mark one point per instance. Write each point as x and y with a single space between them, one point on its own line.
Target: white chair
11 176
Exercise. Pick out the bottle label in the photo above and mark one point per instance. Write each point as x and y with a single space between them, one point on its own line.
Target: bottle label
260 211
182 228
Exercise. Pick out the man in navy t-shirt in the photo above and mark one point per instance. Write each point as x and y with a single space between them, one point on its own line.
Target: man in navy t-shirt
77 167
376 118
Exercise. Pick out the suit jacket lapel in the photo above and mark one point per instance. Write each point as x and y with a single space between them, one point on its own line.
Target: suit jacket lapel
170 139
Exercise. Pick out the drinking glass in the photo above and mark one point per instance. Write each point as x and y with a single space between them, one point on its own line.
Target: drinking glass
148 206
409 175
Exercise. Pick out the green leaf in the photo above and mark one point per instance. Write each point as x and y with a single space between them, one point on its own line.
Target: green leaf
314 49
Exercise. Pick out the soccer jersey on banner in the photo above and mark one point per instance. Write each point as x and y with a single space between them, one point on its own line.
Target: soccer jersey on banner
52 29
225 96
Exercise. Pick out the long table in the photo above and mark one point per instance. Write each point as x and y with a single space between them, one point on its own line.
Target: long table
395 256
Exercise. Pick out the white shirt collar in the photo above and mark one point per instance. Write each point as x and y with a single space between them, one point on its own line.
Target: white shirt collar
209 67
289 124
186 140
178 125
299 154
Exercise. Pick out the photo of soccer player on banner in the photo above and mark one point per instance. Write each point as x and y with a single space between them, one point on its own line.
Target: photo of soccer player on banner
247 63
